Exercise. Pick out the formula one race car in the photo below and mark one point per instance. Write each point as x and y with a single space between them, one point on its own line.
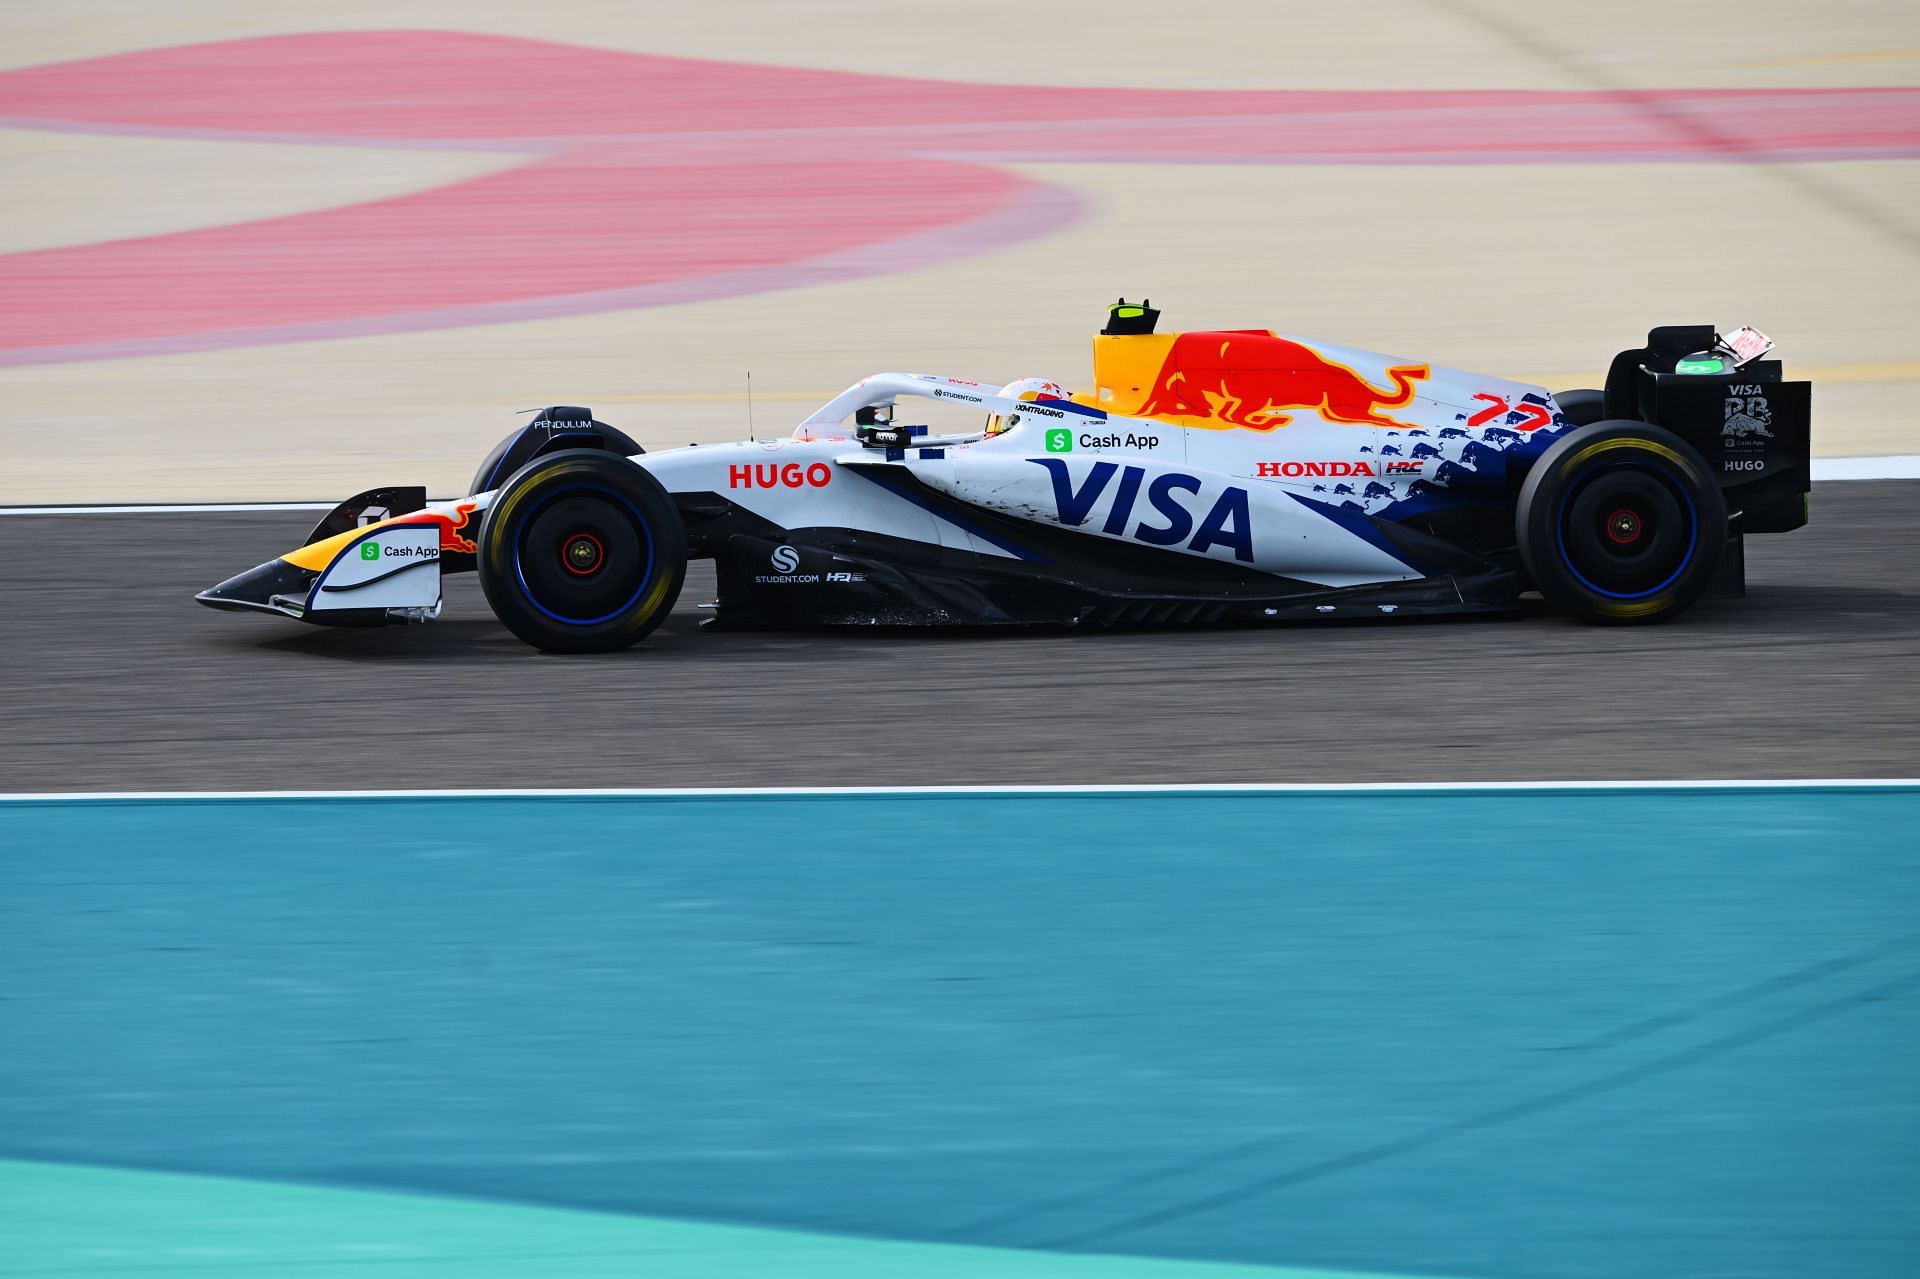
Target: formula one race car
1207 476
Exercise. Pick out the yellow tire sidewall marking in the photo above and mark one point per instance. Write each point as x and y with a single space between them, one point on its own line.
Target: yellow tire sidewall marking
503 511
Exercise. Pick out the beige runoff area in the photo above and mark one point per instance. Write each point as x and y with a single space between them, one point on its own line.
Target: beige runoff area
85 188
1538 272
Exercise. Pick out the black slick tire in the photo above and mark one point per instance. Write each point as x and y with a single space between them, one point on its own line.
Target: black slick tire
541 438
1621 522
1583 407
581 552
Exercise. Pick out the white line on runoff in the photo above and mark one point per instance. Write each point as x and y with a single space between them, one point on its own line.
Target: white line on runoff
912 792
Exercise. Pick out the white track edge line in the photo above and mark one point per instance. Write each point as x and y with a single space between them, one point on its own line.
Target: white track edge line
1206 788
1893 466
1897 466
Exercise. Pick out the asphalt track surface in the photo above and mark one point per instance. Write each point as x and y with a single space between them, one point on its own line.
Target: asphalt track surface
111 678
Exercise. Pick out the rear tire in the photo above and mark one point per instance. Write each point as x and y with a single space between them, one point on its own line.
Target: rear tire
1582 408
1621 522
581 552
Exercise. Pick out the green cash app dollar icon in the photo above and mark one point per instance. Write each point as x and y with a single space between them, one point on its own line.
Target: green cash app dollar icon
1059 440
369 550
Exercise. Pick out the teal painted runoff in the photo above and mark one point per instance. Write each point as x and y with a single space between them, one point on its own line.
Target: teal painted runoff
1492 1033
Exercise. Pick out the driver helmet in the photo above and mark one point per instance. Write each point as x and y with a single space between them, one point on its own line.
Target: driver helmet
1028 389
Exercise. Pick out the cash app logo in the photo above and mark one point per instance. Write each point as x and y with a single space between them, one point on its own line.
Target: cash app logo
369 550
1059 439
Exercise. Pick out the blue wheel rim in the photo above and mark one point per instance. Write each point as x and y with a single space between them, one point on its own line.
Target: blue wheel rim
515 540
1693 531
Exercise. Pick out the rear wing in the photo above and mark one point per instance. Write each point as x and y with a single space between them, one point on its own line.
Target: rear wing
1753 427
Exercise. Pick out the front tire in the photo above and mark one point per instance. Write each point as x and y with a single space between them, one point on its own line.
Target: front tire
542 438
581 552
1621 522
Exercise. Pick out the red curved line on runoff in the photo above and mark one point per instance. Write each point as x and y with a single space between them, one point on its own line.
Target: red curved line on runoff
463 85
662 178
562 226
1038 210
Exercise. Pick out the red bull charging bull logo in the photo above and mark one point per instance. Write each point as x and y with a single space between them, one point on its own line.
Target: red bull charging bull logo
452 535
1259 380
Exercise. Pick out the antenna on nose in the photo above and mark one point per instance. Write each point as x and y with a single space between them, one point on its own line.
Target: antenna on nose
749 404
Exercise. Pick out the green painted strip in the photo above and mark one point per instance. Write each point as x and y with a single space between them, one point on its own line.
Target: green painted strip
64 1219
